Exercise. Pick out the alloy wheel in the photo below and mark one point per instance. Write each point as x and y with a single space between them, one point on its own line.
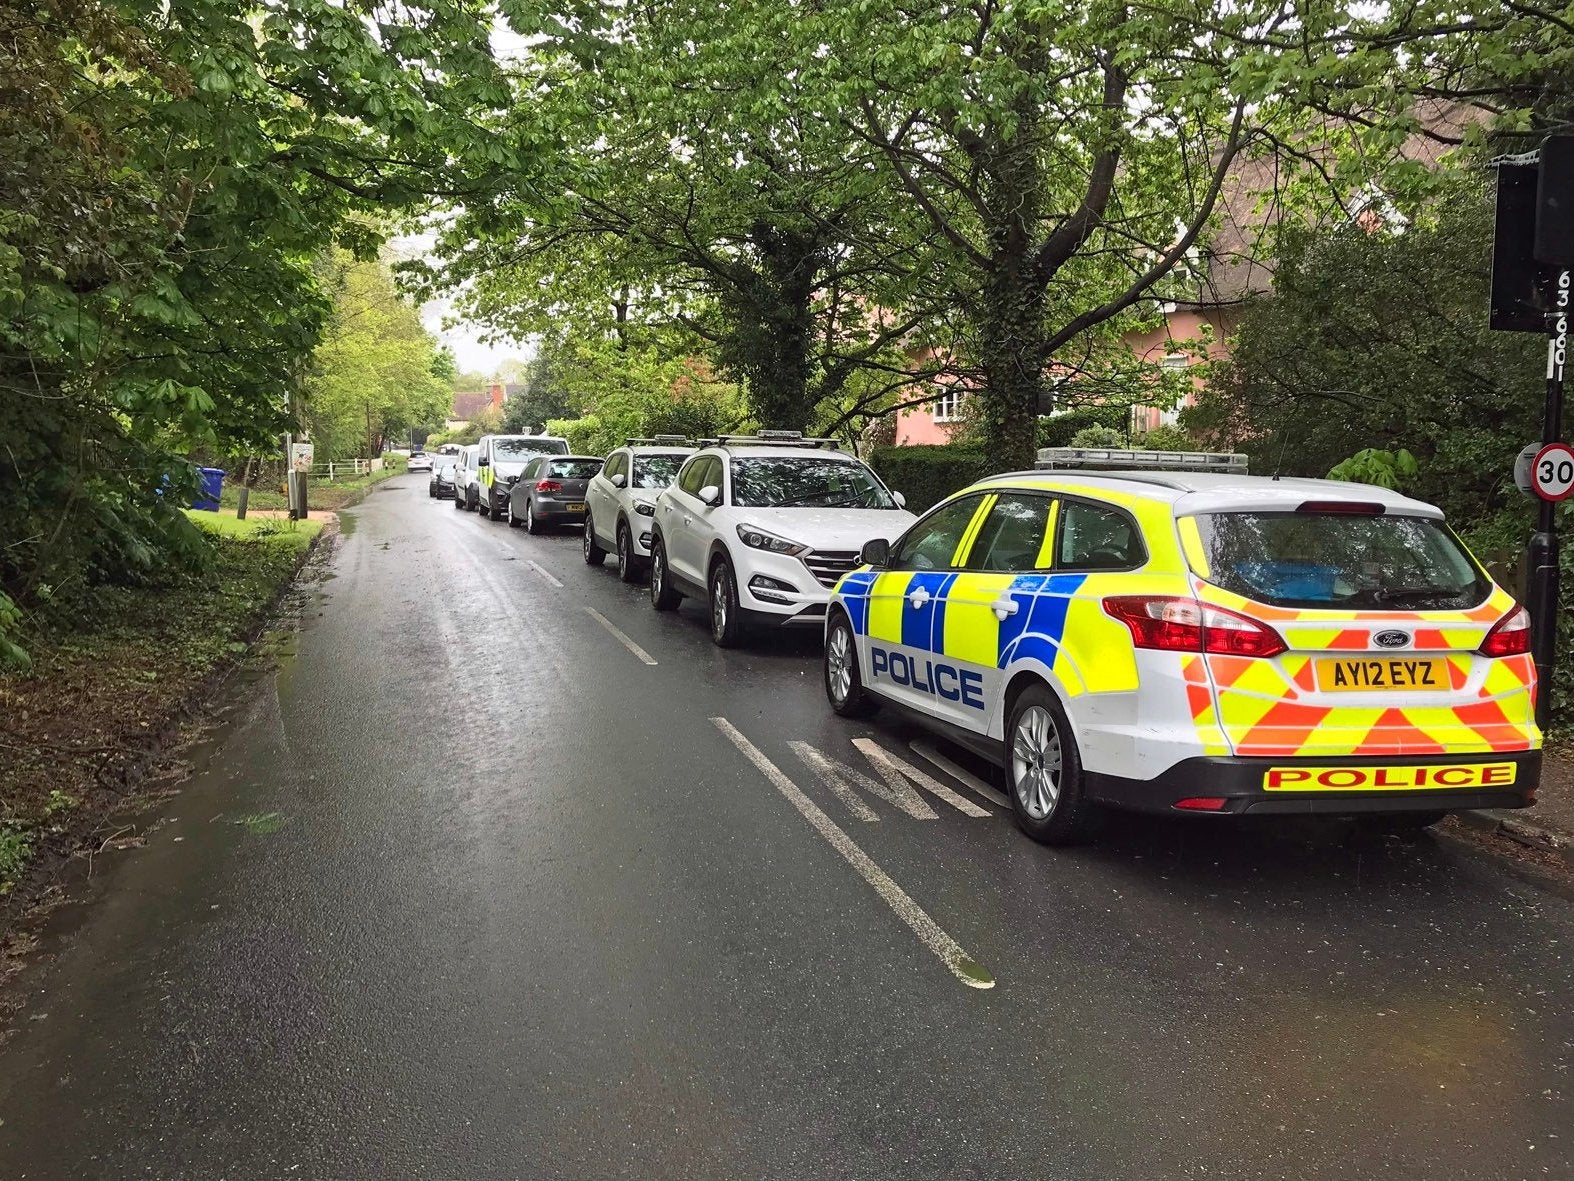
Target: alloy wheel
1036 762
839 655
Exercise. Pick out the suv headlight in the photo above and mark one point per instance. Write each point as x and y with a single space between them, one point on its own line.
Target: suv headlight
759 539
644 508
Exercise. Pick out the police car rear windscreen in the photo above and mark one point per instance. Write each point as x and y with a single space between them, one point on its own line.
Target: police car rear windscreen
1341 561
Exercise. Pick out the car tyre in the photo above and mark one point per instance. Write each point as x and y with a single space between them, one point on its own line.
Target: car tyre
727 627
594 554
532 522
843 686
662 596
491 508
1044 772
628 568
459 500
513 521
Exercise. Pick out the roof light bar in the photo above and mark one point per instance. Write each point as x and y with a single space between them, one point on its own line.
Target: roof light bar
1137 459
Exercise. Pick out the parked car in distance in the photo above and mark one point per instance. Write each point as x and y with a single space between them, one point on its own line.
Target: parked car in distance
466 487
620 503
441 484
499 461
762 527
553 490
448 449
420 461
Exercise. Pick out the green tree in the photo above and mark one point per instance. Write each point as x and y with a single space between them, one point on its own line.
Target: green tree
169 173
1377 338
375 375
694 187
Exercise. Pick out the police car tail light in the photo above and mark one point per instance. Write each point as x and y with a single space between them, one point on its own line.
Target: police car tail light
548 486
1185 625
1510 636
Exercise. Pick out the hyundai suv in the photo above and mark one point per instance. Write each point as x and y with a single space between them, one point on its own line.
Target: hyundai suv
621 501
762 527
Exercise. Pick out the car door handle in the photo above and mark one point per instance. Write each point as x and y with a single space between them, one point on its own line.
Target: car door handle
918 598
688 520
1003 607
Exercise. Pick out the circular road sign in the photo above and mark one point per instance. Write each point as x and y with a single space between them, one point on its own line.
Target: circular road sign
1552 472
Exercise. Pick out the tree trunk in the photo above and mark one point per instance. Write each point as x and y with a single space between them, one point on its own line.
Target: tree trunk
772 336
1011 320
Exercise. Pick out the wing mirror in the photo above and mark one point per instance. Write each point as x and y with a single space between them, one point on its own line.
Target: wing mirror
711 495
875 553
483 462
619 480
901 501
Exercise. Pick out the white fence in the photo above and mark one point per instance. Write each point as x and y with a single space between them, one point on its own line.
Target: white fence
345 469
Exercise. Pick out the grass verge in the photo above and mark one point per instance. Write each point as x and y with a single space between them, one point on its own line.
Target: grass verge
320 494
109 687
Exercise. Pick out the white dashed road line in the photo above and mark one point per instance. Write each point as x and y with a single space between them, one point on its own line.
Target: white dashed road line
621 635
961 965
542 571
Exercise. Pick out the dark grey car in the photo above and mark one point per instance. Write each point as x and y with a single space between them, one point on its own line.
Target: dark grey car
551 492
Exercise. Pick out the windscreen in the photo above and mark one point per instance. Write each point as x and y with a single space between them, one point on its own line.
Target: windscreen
805 481
572 469
656 471
513 450
1341 561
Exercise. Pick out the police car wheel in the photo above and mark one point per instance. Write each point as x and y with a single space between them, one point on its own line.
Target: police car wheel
843 688
726 617
1044 772
594 554
662 596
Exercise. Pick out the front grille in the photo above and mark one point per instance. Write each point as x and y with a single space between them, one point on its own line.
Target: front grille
829 565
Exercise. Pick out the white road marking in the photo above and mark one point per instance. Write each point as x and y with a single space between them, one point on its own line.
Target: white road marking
836 777
950 952
542 571
966 778
897 770
621 635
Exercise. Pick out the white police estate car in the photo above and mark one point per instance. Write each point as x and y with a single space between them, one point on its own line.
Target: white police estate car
1195 642
762 526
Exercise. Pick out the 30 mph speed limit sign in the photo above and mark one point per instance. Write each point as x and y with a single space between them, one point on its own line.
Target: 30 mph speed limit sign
1552 472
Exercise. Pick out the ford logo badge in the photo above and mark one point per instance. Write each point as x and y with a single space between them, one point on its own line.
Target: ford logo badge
1391 639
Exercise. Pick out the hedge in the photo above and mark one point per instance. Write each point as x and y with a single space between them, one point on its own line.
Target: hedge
1057 430
928 474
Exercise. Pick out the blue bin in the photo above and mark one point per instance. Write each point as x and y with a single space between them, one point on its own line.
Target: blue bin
210 485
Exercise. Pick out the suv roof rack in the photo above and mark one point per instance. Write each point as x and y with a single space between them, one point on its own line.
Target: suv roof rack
658 440
771 439
1136 460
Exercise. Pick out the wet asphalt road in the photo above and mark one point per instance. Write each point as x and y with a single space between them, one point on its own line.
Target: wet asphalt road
468 890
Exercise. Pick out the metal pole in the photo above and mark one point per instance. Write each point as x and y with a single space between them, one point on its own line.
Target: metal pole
1542 564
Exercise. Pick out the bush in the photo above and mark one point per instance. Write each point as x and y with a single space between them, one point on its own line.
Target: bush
925 475
1098 436
1057 430
1167 438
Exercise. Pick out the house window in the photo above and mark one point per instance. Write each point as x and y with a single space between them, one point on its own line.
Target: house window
1174 363
948 406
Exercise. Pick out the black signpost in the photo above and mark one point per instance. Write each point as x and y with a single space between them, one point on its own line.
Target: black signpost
1532 261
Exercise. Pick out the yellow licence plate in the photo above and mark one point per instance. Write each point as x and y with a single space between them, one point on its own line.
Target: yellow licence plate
1369 674
576 508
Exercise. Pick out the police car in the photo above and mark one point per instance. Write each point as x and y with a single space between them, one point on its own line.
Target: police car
1198 642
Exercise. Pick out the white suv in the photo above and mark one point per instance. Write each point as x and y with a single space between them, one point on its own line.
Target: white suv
620 504
763 527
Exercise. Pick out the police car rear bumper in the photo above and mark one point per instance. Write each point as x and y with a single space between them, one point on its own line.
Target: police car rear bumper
1196 785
